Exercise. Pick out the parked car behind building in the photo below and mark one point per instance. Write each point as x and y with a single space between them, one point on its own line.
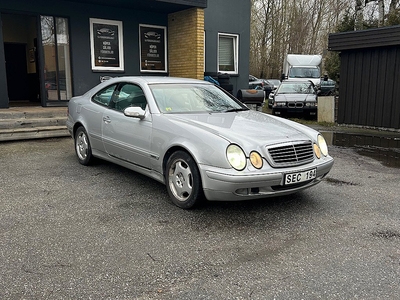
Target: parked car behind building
295 98
261 84
274 82
327 87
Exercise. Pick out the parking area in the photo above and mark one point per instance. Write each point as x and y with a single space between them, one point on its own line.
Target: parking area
104 232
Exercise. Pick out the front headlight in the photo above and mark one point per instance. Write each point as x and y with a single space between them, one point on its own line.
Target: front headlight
236 157
322 145
310 104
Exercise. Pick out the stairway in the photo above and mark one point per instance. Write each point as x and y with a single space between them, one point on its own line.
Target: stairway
23 123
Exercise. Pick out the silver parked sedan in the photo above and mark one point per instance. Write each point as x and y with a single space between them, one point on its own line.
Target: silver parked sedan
195 138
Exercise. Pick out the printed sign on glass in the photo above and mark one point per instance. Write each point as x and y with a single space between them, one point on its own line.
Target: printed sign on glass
153 51
106 45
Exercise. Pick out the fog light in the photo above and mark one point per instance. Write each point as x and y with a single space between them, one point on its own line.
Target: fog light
256 160
242 192
317 151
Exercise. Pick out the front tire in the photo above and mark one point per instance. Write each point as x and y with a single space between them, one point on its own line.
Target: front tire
83 149
183 180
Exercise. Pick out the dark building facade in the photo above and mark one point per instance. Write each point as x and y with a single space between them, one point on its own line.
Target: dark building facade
54 50
369 93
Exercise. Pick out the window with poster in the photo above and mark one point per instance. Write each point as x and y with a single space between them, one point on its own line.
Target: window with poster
153 48
106 42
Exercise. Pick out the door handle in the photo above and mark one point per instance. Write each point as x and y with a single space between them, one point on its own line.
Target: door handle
107 120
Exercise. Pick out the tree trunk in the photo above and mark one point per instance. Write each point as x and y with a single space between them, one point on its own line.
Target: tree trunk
359 15
381 6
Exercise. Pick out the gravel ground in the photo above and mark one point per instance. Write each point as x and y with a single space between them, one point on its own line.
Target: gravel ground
104 232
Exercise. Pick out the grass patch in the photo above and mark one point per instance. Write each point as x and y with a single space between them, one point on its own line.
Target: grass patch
312 122
267 110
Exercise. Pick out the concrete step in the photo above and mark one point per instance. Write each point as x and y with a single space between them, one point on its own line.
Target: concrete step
21 123
31 122
33 133
32 112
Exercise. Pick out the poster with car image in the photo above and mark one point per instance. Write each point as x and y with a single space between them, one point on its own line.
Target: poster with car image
106 45
153 51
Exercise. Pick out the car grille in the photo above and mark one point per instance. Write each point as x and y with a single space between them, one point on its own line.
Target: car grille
291 154
295 104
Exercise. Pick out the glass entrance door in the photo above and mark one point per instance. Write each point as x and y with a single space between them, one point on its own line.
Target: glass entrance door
56 60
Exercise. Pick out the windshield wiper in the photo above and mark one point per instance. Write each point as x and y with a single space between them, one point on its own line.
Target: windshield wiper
235 109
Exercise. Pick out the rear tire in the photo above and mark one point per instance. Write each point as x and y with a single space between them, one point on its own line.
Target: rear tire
183 180
83 149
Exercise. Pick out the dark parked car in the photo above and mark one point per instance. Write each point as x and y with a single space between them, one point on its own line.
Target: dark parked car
327 87
260 84
274 82
295 97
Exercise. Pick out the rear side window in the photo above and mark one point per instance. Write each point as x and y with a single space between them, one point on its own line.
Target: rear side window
104 96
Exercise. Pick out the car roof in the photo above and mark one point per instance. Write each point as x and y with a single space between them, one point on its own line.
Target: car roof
156 80
328 82
296 81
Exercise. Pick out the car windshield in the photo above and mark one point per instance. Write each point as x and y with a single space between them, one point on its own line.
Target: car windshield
185 98
296 88
328 82
275 82
304 72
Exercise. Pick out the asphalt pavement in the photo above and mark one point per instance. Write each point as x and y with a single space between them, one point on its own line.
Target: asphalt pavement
104 232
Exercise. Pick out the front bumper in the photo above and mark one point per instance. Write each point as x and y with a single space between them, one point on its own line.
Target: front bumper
70 125
222 185
305 110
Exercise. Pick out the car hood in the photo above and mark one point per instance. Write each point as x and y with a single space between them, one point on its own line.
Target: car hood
246 127
295 97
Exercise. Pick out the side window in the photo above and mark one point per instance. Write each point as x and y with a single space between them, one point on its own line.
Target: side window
228 53
129 95
104 96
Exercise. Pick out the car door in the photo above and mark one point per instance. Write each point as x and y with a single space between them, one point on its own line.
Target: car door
127 138
93 113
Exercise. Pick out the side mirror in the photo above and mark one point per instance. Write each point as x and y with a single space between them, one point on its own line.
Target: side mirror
135 112
105 78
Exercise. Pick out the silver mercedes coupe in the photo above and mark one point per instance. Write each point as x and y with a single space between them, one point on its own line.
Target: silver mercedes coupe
195 138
